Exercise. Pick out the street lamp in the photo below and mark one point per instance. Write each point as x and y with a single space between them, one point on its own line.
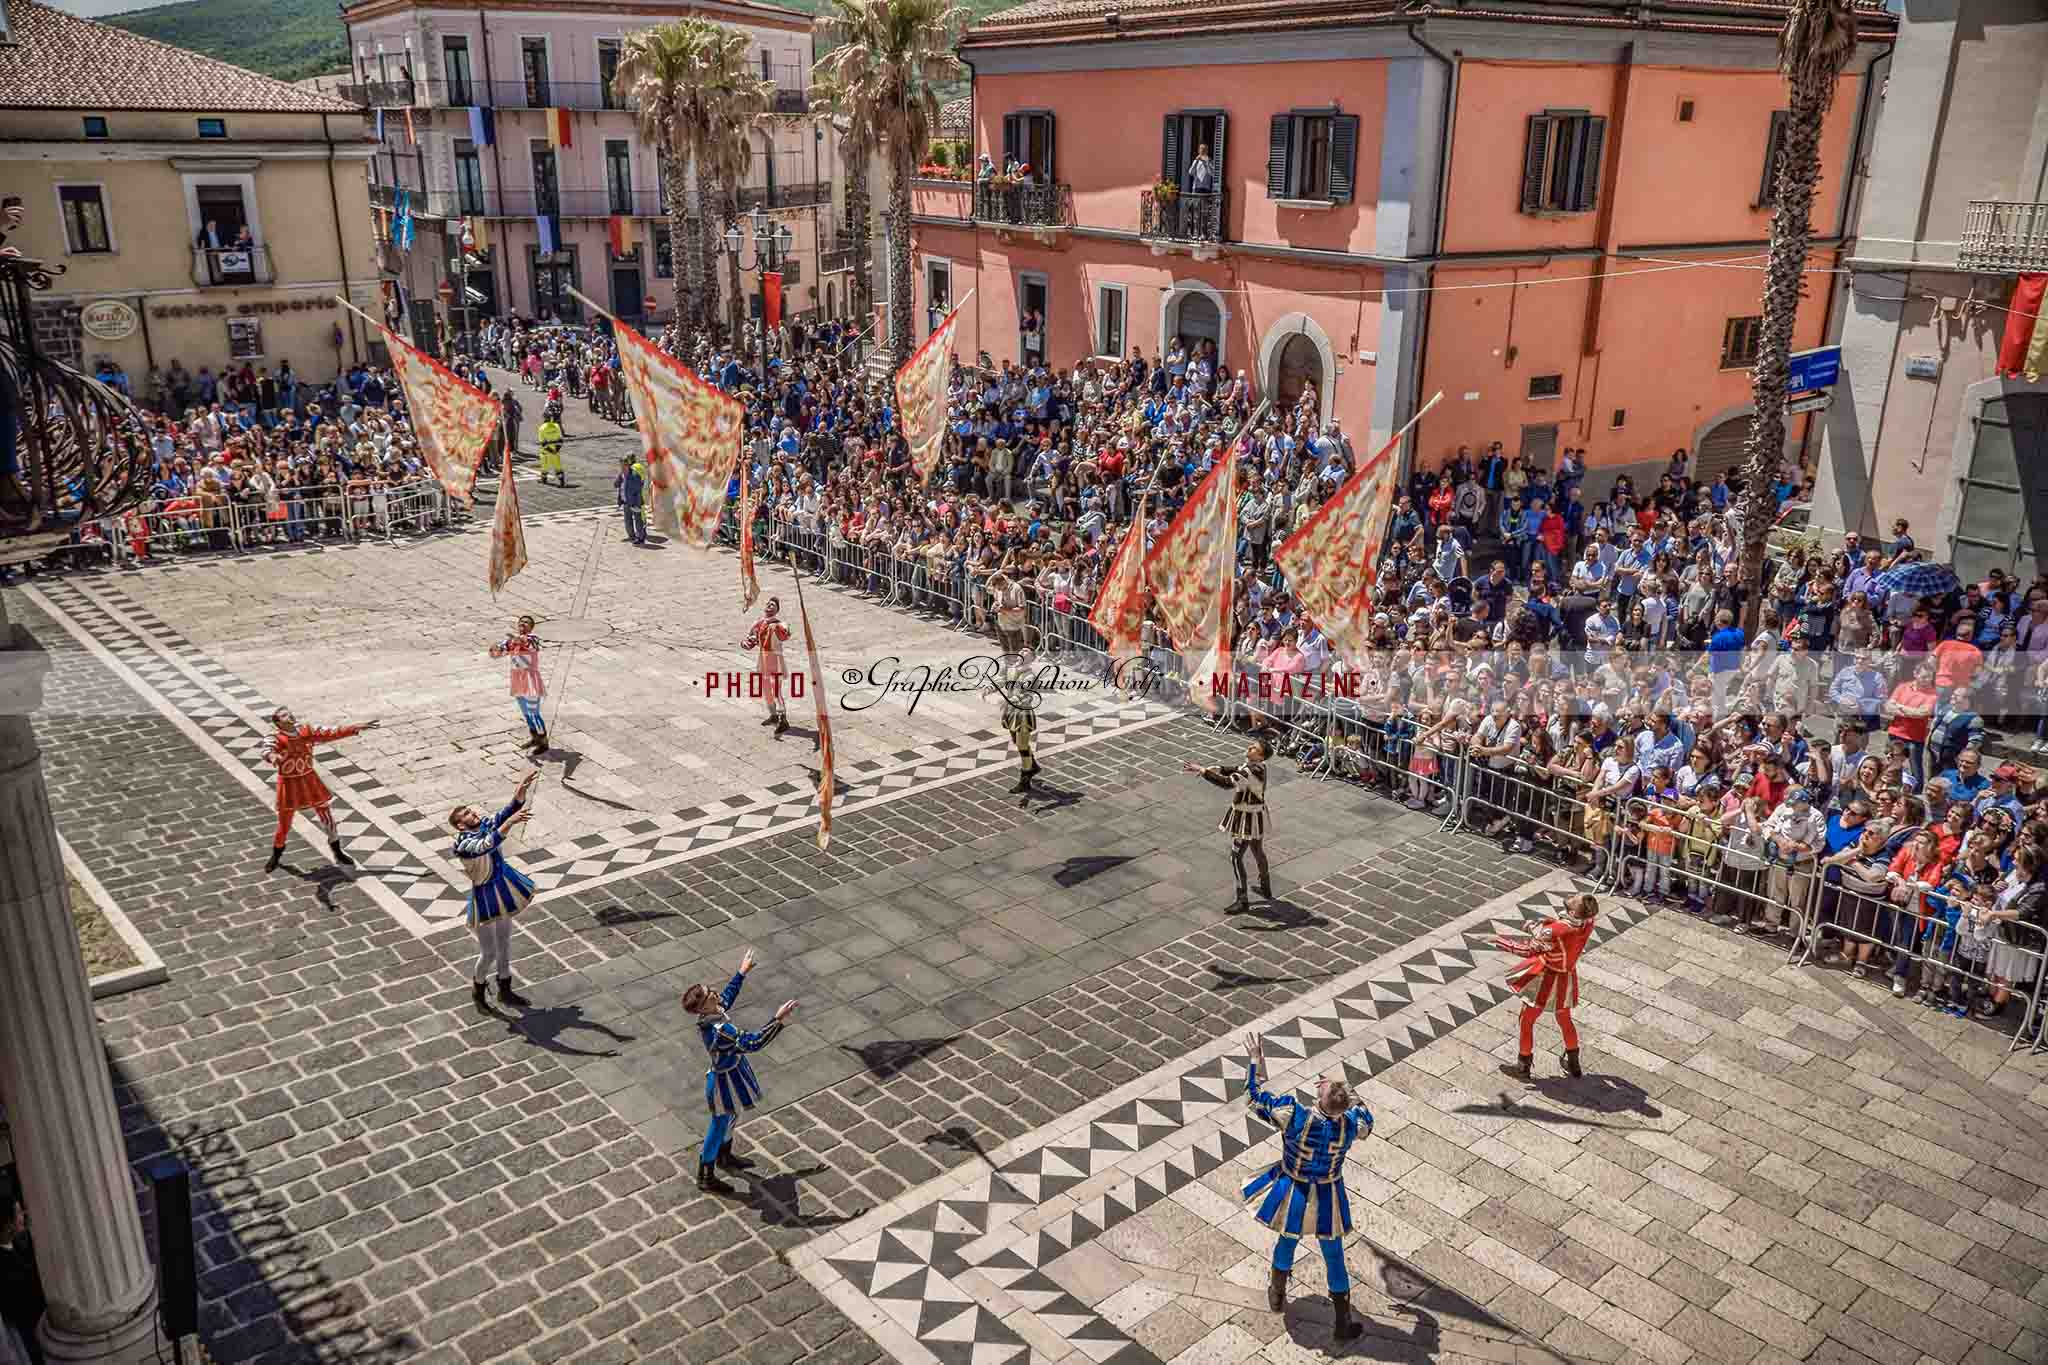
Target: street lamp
772 241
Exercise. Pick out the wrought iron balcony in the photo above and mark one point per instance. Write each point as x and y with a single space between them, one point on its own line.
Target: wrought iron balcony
2004 238
834 259
378 94
1048 205
1182 217
231 267
783 196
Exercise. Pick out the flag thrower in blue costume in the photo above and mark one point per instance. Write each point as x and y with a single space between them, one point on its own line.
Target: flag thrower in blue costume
729 1085
1245 822
497 890
1302 1193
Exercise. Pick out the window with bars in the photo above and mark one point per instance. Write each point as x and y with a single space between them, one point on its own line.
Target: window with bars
1739 340
1312 154
1561 161
1774 155
1546 386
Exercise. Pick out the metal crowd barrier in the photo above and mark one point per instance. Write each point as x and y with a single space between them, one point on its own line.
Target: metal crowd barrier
1736 893
321 512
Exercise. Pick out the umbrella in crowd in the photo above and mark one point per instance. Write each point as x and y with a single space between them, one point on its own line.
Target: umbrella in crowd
1918 580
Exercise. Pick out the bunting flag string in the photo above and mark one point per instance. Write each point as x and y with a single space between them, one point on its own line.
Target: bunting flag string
826 782
1332 561
1193 571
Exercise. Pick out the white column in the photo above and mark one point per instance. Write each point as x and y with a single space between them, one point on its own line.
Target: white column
95 1268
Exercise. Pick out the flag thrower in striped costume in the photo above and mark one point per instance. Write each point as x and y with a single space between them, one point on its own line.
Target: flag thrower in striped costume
921 394
825 782
453 420
1332 560
750 583
1193 570
1302 1193
730 1088
1119 613
689 433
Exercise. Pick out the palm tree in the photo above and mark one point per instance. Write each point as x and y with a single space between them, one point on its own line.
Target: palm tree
1814 47
885 77
857 140
696 99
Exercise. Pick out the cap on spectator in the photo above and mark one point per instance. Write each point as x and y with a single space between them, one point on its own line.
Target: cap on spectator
2005 772
1799 796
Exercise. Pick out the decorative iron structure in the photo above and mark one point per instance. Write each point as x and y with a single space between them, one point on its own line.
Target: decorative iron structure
72 449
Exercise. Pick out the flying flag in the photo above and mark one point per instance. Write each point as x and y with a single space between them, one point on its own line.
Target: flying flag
550 229
1192 570
1119 614
508 536
483 126
825 783
559 134
401 233
620 230
921 395
452 419
1332 560
750 586
690 432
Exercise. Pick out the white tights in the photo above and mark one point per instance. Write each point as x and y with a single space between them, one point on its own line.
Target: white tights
493 942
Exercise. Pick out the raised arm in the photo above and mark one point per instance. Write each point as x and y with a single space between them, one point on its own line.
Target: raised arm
731 994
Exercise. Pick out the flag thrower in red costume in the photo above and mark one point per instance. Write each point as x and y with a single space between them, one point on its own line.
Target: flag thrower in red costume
298 786
1547 977
765 638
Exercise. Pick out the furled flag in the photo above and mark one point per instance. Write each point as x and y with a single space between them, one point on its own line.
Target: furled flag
771 297
508 535
1119 614
1192 570
825 783
483 126
921 396
452 419
549 229
690 433
411 134
558 123
750 586
2024 348
1331 561
620 232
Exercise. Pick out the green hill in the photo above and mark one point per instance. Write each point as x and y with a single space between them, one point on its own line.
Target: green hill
288 39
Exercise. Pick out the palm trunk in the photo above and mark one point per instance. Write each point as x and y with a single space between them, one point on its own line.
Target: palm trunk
1784 278
685 265
736 300
857 209
704 283
902 303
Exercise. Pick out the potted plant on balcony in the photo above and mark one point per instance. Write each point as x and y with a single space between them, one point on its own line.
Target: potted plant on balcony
1165 191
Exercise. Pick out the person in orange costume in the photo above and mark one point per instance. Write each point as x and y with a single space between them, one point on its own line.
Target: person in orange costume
298 786
1547 978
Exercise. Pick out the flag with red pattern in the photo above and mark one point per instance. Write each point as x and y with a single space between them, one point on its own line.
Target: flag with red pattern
689 433
1332 560
508 535
1193 570
453 420
750 585
921 396
1119 613
825 782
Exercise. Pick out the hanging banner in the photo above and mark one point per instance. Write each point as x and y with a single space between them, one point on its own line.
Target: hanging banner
689 433
921 395
1119 613
453 420
1193 572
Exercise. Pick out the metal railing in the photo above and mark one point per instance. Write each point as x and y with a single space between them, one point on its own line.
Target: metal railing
835 258
295 515
228 267
2004 238
1183 216
382 94
783 196
1024 205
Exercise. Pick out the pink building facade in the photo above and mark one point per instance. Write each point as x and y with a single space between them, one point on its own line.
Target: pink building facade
424 67
1374 194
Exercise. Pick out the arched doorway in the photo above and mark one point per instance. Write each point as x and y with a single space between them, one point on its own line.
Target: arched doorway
1193 312
1300 365
1198 320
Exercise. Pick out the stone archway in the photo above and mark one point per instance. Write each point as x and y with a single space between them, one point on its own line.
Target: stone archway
1297 345
1192 308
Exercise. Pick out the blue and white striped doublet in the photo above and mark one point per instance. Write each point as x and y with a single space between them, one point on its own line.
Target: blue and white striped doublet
730 1086
495 886
1304 1190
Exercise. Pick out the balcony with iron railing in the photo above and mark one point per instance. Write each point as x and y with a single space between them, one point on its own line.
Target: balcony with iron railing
783 196
835 258
231 267
1024 204
522 93
1182 216
2004 238
385 94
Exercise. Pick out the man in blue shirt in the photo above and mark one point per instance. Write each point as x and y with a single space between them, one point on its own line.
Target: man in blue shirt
1724 657
632 488
1965 780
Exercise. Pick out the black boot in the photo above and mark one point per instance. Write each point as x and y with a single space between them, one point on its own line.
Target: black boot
1265 891
1276 1292
1520 1068
1023 783
1348 1328
476 994
770 720
1571 1062
276 852
540 744
707 1179
728 1160
781 724
339 856
509 996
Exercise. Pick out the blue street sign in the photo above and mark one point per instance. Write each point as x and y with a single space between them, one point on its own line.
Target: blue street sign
1814 369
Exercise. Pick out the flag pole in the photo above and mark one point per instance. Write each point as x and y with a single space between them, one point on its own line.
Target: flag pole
594 306
374 322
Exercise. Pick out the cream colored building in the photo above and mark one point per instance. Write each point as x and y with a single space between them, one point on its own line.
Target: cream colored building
140 165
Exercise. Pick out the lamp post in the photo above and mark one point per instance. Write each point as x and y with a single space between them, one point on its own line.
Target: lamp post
772 240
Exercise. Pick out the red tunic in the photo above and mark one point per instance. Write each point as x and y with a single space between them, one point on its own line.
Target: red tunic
298 786
1547 977
765 638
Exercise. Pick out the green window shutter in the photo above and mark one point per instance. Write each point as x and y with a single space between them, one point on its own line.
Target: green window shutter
1279 150
1592 152
1343 157
1534 154
1169 150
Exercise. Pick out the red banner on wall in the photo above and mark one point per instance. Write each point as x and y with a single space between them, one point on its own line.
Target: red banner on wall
771 297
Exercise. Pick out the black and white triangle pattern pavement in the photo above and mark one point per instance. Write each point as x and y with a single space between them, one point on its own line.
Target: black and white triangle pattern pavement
900 1272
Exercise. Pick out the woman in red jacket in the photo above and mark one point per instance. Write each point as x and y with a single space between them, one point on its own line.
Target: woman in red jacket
1916 869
